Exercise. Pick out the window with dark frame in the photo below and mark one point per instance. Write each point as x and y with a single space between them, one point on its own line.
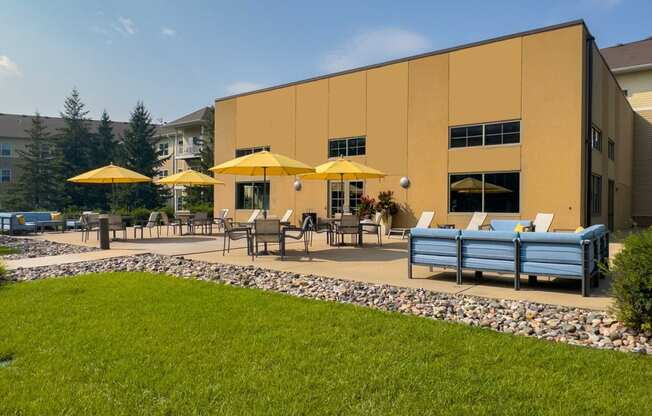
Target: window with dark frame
485 192
596 194
611 149
249 150
596 138
349 146
5 150
249 195
486 134
5 175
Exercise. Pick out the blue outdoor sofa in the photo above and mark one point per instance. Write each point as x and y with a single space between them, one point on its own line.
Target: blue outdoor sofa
565 255
9 222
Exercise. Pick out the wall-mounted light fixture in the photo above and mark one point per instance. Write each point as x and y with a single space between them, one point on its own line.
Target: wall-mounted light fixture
404 182
297 185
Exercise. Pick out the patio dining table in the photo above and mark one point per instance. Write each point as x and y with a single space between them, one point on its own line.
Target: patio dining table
334 222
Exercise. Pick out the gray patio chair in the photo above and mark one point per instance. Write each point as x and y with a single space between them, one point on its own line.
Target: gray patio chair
237 233
349 224
221 217
152 222
166 222
267 231
297 233
373 227
322 227
116 224
90 222
201 220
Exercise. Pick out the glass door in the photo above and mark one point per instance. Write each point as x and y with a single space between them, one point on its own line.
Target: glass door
344 200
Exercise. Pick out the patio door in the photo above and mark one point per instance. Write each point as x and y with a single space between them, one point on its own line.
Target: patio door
611 190
344 200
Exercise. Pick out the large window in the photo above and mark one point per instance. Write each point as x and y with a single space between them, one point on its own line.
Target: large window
488 134
596 138
596 194
485 192
350 146
347 199
163 149
5 175
249 195
250 150
611 149
5 150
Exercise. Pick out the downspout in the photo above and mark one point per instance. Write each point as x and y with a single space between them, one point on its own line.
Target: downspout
589 125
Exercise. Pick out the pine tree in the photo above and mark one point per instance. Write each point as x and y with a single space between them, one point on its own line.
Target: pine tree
37 186
204 194
138 153
101 154
73 148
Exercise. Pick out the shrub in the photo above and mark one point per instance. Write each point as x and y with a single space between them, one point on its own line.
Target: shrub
367 206
207 208
3 270
169 211
632 281
386 203
140 214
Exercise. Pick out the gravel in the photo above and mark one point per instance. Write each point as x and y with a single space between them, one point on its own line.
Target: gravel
582 327
30 247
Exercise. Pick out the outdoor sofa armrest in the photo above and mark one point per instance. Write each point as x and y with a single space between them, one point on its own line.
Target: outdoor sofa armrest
485 227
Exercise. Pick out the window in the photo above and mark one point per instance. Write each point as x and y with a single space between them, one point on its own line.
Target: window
249 195
5 149
163 173
163 149
626 93
250 150
611 149
489 134
596 194
350 146
596 139
5 175
486 192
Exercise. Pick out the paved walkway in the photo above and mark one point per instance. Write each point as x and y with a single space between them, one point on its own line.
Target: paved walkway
381 265
67 258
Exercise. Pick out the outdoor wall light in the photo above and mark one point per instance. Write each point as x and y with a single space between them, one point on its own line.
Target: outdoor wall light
404 182
297 185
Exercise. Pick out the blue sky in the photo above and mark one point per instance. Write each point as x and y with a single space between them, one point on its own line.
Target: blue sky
179 56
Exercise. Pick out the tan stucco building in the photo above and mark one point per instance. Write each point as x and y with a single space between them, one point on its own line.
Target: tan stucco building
632 65
535 119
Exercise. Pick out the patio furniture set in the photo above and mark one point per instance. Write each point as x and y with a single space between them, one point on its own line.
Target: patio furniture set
34 222
513 247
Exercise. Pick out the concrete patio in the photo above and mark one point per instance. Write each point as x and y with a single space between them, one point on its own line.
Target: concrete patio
374 264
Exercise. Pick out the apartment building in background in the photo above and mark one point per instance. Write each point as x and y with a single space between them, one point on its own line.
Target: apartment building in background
14 138
631 63
516 125
179 144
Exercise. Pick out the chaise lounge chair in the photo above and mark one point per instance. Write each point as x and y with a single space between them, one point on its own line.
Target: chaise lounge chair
476 222
424 222
542 222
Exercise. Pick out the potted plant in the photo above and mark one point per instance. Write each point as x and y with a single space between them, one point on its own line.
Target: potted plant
388 207
366 208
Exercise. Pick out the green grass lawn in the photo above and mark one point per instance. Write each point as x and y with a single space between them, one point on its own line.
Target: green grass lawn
7 250
130 343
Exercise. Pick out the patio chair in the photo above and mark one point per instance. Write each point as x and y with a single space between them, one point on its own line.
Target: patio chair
285 219
475 224
221 217
267 231
236 233
166 222
424 222
542 222
321 227
152 222
373 227
116 224
90 222
201 220
250 222
296 233
348 225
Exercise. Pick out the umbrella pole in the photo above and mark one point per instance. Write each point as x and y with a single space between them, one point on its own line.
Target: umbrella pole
264 192
342 190
112 195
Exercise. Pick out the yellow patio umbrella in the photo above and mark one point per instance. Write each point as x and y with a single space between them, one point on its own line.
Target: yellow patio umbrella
190 178
470 185
262 163
110 174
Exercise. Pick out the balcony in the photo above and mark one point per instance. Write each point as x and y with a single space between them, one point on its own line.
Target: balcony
188 152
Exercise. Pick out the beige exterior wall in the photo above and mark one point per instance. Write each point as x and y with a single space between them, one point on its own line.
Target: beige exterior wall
639 88
405 110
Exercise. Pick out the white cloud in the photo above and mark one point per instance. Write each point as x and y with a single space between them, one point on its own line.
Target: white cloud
8 67
167 31
125 26
242 86
374 46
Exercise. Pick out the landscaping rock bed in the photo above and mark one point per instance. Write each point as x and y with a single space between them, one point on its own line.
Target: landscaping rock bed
30 247
553 323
